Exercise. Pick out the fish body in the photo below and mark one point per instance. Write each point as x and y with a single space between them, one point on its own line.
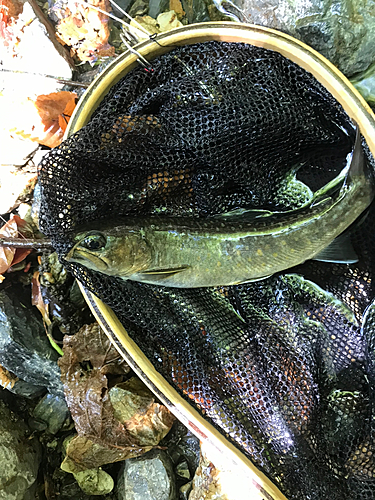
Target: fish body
226 250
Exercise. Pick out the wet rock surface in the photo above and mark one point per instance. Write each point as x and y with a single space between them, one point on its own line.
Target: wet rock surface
20 457
150 477
341 30
24 346
53 412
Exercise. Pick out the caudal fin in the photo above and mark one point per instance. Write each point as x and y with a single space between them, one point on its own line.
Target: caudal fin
358 165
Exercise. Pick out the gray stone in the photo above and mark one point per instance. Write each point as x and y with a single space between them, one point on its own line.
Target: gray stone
22 388
149 477
183 446
53 411
139 8
24 347
19 458
156 7
124 4
196 11
341 30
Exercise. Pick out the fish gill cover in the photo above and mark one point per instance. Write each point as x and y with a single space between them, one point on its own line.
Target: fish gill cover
216 127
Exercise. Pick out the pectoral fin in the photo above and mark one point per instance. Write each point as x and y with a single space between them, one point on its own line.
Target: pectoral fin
253 280
163 273
340 251
245 214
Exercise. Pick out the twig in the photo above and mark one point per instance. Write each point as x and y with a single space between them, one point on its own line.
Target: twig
57 78
36 243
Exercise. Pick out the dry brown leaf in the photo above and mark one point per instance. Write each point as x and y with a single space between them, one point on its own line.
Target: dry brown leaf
86 31
41 120
86 360
7 379
54 110
134 406
37 298
88 363
10 256
9 11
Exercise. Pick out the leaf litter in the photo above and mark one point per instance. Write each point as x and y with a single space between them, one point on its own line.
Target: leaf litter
90 368
10 256
86 30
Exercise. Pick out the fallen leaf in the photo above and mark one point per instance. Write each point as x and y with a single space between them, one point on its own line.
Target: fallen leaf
7 379
45 119
9 230
83 453
65 116
86 31
37 298
9 11
87 358
54 110
9 256
87 367
134 405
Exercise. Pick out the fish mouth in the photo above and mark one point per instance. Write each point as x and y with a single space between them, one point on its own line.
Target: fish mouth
87 259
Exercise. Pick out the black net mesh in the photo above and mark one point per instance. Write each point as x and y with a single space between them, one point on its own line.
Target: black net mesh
218 126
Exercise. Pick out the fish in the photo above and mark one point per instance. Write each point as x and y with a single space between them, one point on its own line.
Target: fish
233 248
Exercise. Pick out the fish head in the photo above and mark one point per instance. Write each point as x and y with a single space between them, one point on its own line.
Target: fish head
112 254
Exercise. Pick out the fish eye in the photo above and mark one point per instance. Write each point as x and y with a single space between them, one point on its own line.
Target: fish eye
94 242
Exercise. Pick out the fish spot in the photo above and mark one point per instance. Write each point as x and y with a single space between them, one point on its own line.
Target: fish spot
283 242
259 252
218 264
238 253
249 259
275 254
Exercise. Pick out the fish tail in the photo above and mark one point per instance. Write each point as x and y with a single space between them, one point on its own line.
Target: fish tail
359 170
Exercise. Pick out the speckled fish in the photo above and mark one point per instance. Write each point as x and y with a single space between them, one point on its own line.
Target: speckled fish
230 249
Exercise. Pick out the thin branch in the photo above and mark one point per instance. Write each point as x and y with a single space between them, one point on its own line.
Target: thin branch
35 243
57 78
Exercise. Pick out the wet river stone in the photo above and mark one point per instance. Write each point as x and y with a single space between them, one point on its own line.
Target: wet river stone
24 347
19 458
341 30
149 477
